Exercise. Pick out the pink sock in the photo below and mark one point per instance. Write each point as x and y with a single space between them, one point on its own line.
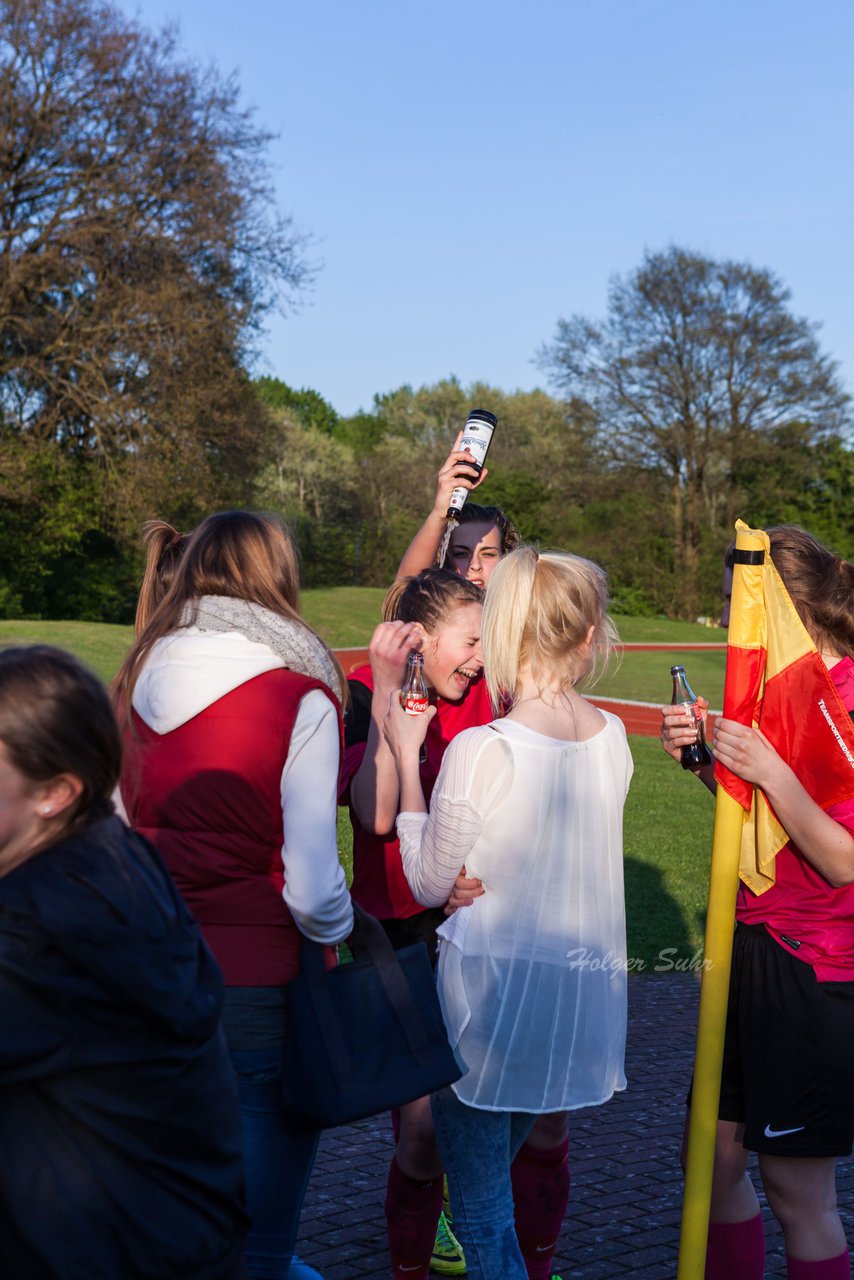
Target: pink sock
736 1250
540 1195
412 1211
838 1268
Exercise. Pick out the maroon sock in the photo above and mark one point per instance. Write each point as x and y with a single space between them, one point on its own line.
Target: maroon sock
838 1268
540 1195
412 1211
395 1123
736 1250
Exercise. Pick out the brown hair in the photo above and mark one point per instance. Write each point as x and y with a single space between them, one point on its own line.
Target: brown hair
510 537
55 717
242 554
820 583
164 547
428 598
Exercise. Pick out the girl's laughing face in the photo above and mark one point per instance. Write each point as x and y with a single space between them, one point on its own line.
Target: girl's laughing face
452 655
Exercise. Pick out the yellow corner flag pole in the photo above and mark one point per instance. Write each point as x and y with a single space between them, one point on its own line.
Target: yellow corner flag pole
714 991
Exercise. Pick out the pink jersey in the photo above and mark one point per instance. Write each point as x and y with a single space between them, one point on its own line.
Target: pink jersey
802 911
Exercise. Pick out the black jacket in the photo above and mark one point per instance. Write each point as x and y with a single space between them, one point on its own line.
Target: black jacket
120 1147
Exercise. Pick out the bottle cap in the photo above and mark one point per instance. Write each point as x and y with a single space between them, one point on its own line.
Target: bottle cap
486 415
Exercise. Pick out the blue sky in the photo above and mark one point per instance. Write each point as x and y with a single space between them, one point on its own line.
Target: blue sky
471 171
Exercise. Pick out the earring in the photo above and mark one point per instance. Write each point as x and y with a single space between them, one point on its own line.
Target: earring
46 811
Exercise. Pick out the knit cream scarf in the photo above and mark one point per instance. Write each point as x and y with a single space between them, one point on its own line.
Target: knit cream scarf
297 646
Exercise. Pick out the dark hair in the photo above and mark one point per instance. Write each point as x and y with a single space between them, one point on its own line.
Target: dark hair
55 717
164 547
429 597
820 583
246 555
510 538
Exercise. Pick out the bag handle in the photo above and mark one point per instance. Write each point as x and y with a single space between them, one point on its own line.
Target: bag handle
368 942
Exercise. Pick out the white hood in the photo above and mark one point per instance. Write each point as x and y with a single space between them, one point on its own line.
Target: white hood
187 671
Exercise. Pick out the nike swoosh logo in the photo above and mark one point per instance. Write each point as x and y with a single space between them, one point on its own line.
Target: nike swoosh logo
779 1133
400 1268
546 1248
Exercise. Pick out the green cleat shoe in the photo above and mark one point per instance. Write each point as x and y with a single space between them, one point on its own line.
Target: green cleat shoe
446 1202
448 1257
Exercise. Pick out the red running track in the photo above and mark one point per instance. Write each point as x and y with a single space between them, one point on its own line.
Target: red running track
642 718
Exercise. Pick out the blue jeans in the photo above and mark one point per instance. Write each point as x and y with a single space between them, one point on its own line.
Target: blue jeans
278 1164
477 1149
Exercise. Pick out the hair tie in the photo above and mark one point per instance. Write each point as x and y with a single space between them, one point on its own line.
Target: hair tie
174 540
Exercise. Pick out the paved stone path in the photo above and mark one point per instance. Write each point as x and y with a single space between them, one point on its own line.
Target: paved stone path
623 1219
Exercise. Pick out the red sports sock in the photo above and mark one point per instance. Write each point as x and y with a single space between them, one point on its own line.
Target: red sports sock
540 1195
838 1268
412 1211
736 1250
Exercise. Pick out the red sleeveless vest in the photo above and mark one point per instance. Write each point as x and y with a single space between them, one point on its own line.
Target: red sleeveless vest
209 795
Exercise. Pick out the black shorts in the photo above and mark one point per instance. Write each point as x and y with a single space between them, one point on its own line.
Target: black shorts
788 1070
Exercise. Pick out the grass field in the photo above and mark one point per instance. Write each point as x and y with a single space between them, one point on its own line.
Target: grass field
645 677
346 616
668 814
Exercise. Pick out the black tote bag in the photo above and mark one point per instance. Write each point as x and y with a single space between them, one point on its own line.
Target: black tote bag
364 1037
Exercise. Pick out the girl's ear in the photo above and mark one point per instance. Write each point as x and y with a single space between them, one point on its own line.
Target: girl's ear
590 634
426 641
58 795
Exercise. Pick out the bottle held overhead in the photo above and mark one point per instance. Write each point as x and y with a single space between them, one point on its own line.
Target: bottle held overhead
477 437
697 754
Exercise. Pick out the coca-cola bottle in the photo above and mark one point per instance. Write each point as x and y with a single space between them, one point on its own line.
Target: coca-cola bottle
413 695
697 754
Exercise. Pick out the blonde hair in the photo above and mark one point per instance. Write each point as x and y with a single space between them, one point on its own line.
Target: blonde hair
243 554
538 612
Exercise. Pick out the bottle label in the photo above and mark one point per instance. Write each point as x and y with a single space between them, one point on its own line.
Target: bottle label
414 704
692 710
476 439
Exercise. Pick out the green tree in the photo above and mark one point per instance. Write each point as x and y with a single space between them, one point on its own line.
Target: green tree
541 464
695 368
307 405
806 482
311 481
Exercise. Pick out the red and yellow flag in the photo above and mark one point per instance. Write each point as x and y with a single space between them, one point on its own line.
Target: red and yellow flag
776 680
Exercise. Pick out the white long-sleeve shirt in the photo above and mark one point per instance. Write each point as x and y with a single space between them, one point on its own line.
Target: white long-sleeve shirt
532 976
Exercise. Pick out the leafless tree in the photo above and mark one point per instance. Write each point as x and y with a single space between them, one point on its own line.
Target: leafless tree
697 366
140 248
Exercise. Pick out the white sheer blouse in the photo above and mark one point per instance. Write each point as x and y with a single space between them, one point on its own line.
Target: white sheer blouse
532 976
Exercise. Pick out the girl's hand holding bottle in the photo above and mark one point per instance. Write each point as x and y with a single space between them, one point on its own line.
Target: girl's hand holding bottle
459 471
678 728
405 733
